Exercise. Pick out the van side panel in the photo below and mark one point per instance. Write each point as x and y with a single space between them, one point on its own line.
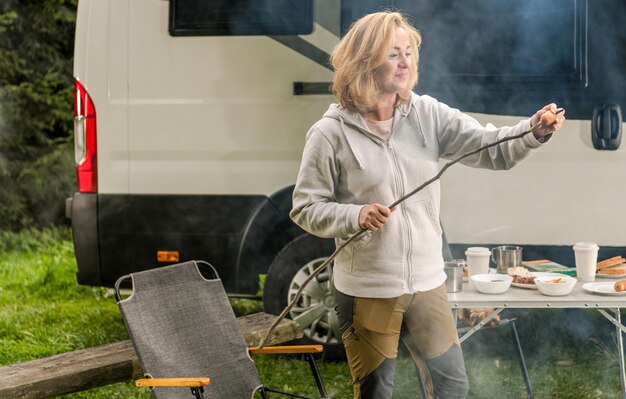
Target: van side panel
113 119
214 115
564 193
189 129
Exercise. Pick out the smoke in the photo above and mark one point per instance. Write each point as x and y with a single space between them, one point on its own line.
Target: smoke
510 57
561 348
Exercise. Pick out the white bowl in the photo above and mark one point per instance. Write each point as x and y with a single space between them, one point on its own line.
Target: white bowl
492 283
555 285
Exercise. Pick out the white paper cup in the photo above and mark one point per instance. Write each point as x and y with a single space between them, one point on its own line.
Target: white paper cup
477 260
586 255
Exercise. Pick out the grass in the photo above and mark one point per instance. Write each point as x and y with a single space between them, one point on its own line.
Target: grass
570 353
42 309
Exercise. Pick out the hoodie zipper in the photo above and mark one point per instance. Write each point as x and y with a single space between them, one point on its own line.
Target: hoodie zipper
406 223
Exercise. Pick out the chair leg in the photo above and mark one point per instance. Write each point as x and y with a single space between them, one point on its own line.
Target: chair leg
316 375
197 392
522 362
263 392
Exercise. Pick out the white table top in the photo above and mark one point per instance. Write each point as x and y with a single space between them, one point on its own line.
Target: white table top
516 297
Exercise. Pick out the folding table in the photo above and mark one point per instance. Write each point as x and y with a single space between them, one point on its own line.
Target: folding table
608 306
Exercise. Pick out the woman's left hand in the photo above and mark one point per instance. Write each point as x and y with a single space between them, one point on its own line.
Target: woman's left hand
543 132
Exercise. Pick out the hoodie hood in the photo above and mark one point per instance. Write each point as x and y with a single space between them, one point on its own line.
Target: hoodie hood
356 120
346 117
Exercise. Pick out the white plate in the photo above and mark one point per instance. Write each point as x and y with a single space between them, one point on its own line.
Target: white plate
605 288
610 276
533 286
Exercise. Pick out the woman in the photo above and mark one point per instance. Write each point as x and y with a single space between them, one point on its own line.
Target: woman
380 142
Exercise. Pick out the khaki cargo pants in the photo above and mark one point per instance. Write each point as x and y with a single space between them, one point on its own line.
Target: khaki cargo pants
371 328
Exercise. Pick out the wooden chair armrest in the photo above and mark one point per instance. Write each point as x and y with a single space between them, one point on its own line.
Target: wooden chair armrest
286 349
173 382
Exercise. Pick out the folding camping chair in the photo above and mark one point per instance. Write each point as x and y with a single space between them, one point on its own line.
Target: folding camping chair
186 336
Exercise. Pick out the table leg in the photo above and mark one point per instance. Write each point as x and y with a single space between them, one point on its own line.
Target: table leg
612 319
619 328
620 347
480 325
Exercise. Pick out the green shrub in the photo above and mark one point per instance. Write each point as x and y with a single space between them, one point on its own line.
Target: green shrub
36 174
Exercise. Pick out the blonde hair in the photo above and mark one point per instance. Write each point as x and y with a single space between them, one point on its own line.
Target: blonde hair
362 51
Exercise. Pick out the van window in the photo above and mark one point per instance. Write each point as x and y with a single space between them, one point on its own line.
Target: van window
502 56
240 17
494 41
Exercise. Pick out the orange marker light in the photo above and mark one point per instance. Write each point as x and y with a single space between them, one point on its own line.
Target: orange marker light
168 256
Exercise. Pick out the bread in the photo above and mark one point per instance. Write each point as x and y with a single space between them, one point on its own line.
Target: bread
614 261
614 270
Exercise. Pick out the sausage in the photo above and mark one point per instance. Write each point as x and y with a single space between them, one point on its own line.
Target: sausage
620 285
548 118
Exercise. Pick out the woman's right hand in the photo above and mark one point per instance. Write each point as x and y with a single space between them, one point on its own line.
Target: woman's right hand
374 216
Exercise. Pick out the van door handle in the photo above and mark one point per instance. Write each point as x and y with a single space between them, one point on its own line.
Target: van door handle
606 127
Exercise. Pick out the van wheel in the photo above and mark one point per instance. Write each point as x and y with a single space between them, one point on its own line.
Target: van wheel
315 309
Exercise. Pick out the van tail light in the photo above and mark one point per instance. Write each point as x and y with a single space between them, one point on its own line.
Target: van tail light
85 149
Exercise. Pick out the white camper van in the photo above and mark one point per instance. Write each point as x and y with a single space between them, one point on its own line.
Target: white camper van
190 117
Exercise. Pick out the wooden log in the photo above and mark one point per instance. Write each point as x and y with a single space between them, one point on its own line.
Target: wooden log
255 326
107 364
70 372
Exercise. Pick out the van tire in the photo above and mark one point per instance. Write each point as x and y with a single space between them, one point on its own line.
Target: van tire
292 265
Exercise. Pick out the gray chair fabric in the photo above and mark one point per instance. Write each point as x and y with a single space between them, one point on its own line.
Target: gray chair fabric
182 325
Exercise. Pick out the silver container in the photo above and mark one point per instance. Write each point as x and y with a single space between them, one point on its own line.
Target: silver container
454 276
506 256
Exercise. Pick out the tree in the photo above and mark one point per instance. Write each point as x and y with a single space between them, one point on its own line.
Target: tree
36 167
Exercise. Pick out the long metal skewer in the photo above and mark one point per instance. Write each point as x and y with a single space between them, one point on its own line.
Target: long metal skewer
321 267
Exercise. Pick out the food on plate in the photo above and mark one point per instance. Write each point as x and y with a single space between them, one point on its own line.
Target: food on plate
620 285
614 270
614 261
558 280
521 275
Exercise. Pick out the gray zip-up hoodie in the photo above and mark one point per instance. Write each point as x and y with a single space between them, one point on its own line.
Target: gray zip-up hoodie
345 166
